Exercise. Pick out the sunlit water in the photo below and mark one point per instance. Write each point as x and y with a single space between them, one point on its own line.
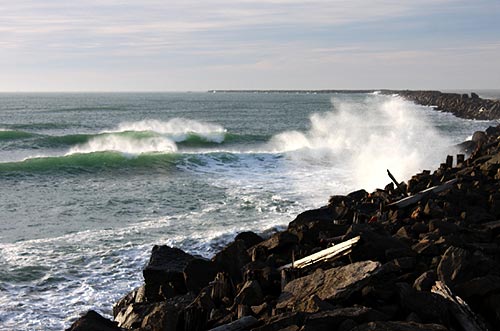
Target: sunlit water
90 182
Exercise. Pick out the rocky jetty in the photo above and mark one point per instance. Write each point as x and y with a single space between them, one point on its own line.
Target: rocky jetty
420 255
461 105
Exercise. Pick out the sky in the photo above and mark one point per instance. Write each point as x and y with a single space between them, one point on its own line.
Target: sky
185 45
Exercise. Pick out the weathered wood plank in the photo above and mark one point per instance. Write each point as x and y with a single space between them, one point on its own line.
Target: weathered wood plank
405 202
327 254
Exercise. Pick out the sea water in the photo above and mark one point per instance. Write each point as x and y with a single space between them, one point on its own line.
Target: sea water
90 182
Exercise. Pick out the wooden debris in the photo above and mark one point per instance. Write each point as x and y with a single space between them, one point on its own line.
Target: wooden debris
464 315
399 186
405 202
329 254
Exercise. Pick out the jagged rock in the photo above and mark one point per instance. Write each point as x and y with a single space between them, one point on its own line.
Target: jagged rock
249 238
425 281
250 294
428 306
232 259
399 326
443 226
136 296
164 274
320 214
333 284
374 244
282 321
198 273
241 324
452 266
278 241
314 304
93 321
331 320
154 315
480 286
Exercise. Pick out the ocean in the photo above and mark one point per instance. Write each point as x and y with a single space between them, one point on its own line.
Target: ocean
89 182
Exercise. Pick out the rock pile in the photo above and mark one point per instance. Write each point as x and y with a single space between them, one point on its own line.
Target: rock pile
461 105
426 249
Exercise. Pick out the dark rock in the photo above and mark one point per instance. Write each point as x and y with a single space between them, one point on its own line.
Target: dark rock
198 273
480 286
278 241
282 321
164 274
232 259
249 238
453 266
92 321
443 226
374 244
425 281
136 296
156 316
333 284
320 214
331 320
250 294
399 326
430 307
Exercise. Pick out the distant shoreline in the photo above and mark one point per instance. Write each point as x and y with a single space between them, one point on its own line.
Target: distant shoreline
460 104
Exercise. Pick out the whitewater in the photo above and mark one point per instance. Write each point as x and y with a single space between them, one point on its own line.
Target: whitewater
90 182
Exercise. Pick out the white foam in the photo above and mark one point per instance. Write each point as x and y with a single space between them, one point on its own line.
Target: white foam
178 129
366 139
125 144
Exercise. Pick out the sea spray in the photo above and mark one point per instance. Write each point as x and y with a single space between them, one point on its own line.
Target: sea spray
368 137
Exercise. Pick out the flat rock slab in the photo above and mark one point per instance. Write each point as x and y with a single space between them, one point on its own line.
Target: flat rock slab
334 284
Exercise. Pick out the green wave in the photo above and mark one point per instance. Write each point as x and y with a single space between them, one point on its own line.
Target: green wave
75 139
90 162
6 135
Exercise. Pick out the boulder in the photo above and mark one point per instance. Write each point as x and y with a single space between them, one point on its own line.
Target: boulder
335 284
250 294
453 266
164 274
198 273
93 321
232 259
430 307
249 238
331 320
399 326
282 321
425 281
375 243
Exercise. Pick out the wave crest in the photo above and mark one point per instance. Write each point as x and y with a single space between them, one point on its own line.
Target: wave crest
178 129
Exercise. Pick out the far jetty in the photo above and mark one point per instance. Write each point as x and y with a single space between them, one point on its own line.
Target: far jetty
420 254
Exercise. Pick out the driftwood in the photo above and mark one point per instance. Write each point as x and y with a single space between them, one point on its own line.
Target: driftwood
398 184
325 255
241 324
464 315
405 202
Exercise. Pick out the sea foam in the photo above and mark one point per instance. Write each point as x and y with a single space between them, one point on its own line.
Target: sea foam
368 138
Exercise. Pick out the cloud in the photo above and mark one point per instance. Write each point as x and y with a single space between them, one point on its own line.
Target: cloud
108 36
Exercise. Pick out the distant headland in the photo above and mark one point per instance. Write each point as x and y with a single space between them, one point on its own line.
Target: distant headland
461 105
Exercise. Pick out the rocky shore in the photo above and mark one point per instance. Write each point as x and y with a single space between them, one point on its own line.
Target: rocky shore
461 105
417 255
